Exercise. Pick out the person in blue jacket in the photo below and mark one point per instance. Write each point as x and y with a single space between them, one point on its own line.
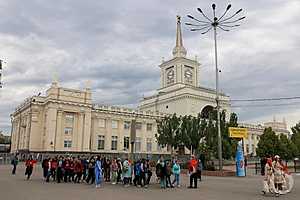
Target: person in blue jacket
98 172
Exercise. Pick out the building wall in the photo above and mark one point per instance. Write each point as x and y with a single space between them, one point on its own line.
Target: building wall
255 131
66 121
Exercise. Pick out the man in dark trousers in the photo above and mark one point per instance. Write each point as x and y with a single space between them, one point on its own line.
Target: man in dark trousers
193 165
59 171
263 163
14 163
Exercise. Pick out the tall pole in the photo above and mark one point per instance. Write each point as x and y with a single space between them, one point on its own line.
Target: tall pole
218 104
204 25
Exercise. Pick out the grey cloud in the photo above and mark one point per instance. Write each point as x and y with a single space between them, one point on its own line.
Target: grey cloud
118 45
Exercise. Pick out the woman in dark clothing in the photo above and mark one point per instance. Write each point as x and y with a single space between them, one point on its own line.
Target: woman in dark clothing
59 170
161 172
107 169
91 171
148 172
120 170
168 175
45 166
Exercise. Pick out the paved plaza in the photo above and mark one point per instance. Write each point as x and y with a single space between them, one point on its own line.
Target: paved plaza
17 188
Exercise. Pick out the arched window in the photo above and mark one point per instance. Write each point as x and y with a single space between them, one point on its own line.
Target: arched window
206 111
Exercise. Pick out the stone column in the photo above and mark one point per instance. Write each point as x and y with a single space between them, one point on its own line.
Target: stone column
87 131
250 144
35 130
80 128
58 137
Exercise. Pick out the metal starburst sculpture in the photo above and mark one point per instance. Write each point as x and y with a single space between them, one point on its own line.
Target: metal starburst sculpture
224 23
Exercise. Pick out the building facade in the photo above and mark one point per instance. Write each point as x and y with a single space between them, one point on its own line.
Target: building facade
66 120
255 131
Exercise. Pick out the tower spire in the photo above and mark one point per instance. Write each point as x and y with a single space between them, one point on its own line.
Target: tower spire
179 50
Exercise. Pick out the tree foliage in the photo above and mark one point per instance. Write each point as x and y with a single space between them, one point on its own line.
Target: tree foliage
288 150
271 144
198 134
268 144
192 131
296 137
167 131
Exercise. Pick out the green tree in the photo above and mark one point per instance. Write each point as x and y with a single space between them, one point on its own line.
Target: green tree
192 131
288 149
167 131
209 147
228 144
296 137
268 144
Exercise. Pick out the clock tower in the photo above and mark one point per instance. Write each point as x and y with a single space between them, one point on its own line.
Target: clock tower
179 71
180 91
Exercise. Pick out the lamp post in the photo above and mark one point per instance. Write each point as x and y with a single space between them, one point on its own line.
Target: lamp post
133 136
1 66
223 23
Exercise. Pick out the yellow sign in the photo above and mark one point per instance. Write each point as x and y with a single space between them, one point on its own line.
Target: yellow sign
238 132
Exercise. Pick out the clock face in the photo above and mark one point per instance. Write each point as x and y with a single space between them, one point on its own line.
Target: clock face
170 76
188 75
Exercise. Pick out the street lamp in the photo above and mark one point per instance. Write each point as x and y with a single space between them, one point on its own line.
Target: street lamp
206 24
1 66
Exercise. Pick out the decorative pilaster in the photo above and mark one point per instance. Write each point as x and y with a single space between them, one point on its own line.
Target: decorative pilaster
58 137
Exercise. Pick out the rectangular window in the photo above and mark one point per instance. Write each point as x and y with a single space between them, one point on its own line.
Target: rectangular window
67 143
138 144
126 143
101 142
149 127
69 118
149 144
114 142
102 123
126 125
68 131
114 124
138 125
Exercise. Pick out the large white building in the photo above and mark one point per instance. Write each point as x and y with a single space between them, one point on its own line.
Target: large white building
66 120
255 131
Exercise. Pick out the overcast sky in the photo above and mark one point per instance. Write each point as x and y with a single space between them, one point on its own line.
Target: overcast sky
118 45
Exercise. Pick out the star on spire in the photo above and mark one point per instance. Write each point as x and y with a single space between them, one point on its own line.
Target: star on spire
179 50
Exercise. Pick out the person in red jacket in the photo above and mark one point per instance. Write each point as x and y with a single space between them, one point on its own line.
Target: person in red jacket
193 164
72 165
29 166
66 167
53 166
78 169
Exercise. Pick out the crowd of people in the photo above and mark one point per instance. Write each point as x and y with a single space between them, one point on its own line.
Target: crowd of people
277 179
96 170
